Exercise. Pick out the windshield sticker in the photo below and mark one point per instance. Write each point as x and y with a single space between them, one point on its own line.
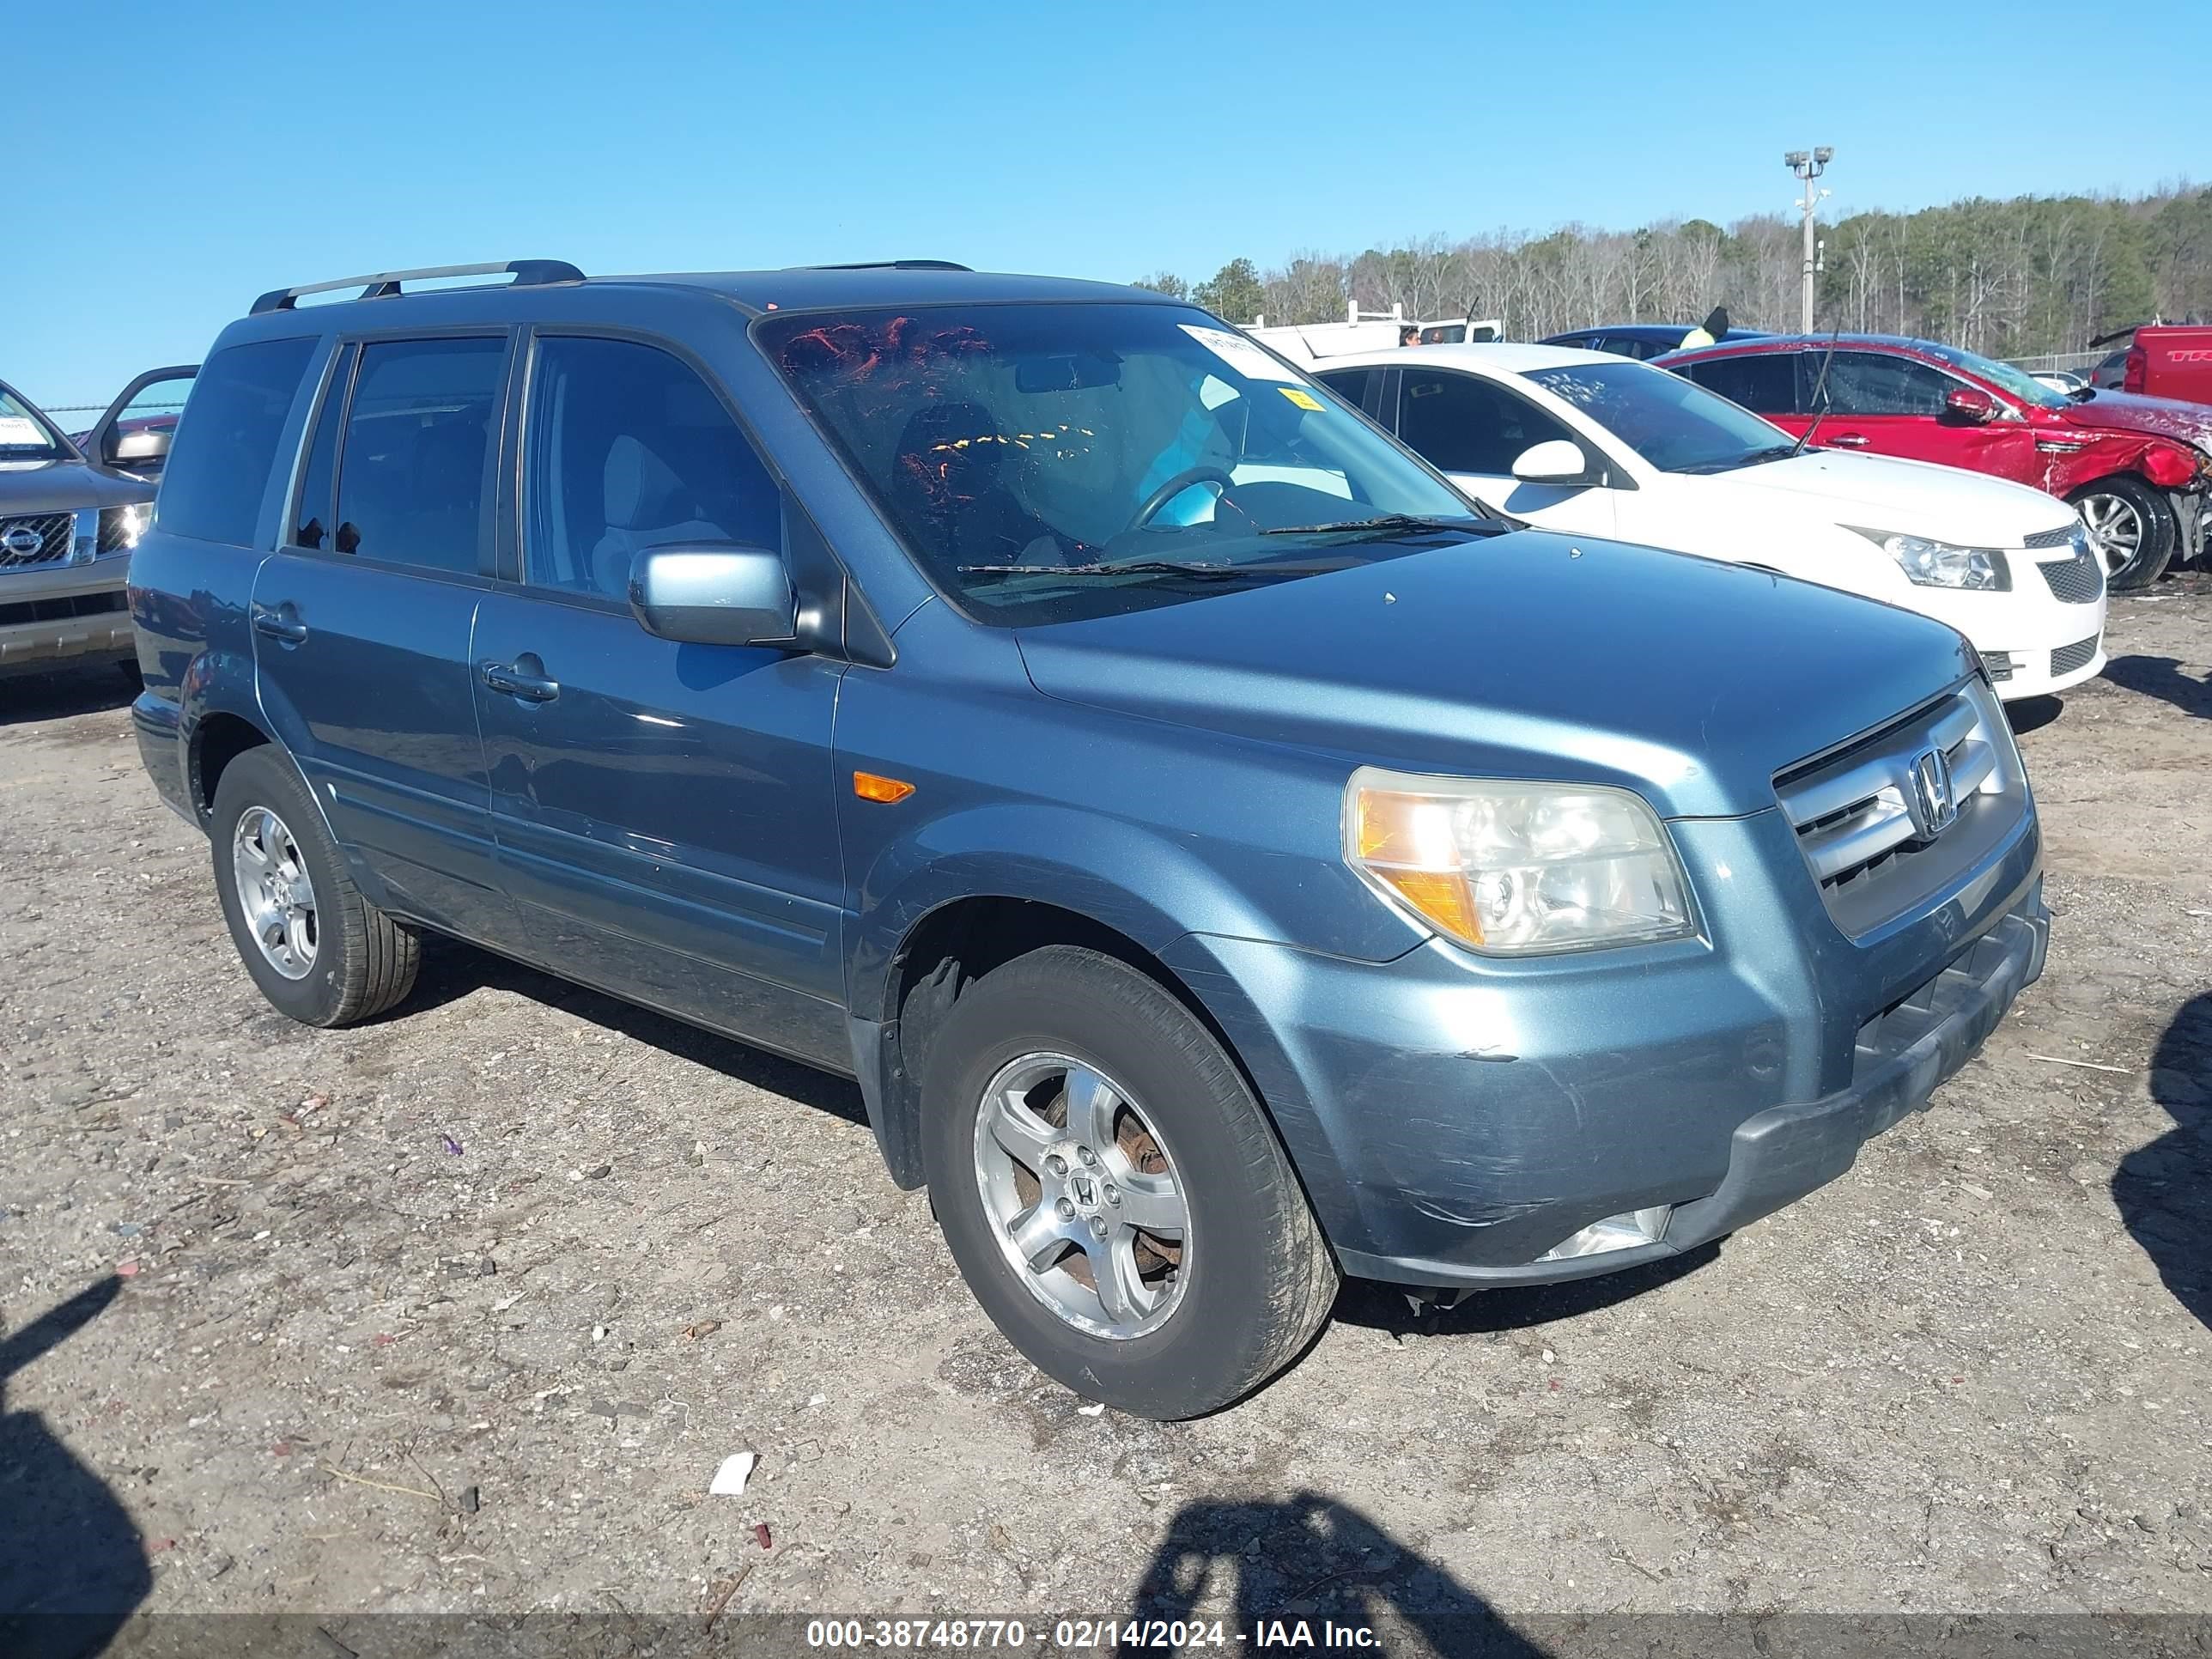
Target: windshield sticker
17 429
1248 360
1302 398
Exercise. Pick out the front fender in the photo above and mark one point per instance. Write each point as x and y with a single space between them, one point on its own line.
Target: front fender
1136 880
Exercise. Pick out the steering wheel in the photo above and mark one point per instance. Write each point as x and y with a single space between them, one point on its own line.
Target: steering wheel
1175 487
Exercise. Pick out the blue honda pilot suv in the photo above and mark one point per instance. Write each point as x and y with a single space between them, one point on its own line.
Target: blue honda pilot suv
1225 857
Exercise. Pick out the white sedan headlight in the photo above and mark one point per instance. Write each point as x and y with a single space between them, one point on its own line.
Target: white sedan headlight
1938 564
1516 868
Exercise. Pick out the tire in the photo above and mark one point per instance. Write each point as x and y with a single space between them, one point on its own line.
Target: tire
339 959
1254 1279
2121 501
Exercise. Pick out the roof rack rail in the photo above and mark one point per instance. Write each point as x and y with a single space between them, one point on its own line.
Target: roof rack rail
894 265
382 284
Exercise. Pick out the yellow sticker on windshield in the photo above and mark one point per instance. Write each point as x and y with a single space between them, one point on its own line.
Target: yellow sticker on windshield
1300 397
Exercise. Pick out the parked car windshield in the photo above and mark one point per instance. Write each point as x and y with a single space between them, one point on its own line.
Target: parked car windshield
24 433
1026 453
2016 383
1673 423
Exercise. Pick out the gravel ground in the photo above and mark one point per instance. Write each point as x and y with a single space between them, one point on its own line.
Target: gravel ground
459 1312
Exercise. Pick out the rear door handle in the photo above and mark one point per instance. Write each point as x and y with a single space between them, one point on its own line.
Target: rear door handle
523 678
1848 441
281 622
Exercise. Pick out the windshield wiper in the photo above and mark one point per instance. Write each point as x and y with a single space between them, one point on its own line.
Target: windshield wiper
1391 522
1203 572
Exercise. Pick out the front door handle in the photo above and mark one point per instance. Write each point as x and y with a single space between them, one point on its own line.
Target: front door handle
1848 441
280 623
523 678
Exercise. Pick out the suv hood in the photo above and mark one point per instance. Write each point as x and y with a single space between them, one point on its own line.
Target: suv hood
1530 656
63 486
2126 411
1919 498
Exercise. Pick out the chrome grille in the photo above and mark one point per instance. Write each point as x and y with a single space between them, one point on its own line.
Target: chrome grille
2077 581
55 532
2058 537
2067 658
1858 812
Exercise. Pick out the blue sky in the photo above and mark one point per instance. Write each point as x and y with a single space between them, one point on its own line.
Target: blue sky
167 163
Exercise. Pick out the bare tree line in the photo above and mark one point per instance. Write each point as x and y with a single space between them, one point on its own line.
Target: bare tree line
2035 274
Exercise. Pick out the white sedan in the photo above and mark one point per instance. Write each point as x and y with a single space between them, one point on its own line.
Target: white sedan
1595 445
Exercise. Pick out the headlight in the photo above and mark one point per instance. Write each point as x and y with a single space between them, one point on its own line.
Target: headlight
1938 564
121 527
1516 868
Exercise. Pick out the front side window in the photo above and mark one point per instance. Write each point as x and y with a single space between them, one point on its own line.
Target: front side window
2015 383
1459 423
1026 453
627 449
226 442
1764 381
1875 383
1675 425
414 466
25 433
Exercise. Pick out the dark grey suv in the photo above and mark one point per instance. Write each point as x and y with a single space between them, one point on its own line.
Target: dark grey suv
1223 856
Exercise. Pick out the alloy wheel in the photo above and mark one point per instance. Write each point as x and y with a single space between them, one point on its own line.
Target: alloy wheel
1082 1196
2116 530
275 892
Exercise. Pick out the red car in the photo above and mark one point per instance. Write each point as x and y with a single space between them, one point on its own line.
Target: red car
2136 468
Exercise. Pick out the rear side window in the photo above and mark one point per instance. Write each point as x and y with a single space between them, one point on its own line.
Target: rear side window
1357 386
1458 423
225 446
414 468
1874 383
1765 382
627 449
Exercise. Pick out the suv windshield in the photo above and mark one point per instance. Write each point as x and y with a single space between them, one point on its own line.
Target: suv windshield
1673 423
1048 462
2016 383
24 433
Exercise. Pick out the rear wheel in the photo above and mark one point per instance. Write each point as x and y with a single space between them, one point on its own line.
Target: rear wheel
2132 526
320 951
1114 1193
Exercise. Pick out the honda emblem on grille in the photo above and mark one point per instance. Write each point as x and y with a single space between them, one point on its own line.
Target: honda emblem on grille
1934 806
22 539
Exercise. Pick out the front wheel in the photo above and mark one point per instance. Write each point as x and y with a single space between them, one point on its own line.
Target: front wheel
1112 1191
2132 526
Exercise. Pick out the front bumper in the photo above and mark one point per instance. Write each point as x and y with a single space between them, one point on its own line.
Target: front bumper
52 613
2031 642
1454 1120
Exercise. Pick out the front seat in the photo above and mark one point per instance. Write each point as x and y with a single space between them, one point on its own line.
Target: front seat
945 476
647 505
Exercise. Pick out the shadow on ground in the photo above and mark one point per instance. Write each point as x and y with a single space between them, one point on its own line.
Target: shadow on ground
2164 1190
28 698
1310 1558
2163 677
2034 714
72 1565
451 970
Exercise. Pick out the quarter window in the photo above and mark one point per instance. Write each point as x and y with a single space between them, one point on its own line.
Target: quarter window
627 449
226 444
1459 423
418 451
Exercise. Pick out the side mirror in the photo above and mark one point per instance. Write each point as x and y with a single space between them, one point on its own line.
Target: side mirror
713 593
137 449
1969 405
1555 461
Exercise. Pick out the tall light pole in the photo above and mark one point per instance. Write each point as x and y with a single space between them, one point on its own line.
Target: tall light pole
1808 165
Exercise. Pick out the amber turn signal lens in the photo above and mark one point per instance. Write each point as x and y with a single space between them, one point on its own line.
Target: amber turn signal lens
870 786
